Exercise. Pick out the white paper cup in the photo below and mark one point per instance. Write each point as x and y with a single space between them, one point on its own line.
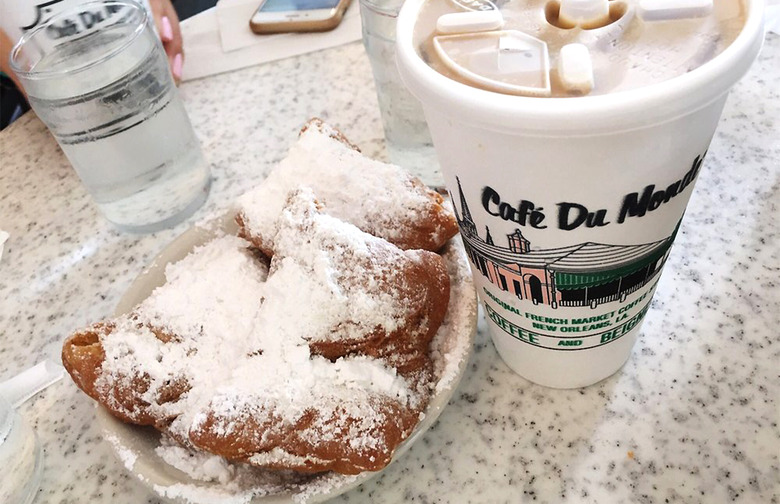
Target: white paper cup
569 206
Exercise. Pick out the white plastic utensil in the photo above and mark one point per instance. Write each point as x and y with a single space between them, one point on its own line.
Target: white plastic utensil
470 22
662 10
575 68
26 384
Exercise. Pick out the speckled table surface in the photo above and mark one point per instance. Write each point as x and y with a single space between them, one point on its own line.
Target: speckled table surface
692 417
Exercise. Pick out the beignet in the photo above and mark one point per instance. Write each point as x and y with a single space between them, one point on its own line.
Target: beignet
317 362
379 198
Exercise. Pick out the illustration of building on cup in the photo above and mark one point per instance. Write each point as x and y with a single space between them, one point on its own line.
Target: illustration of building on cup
587 274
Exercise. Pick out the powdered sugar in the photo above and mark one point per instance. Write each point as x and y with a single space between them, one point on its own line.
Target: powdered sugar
198 465
451 346
245 484
237 338
126 455
372 195
450 350
340 256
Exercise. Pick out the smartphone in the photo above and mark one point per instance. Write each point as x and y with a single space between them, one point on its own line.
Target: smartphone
276 16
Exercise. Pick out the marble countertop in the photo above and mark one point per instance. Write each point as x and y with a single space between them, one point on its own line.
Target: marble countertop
692 417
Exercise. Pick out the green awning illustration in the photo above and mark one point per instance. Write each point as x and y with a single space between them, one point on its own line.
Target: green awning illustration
568 281
577 266
575 280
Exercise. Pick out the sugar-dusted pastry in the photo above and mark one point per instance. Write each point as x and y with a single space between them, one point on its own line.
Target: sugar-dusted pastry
379 198
138 365
320 361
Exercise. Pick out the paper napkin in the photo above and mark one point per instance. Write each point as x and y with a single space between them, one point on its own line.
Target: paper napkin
220 40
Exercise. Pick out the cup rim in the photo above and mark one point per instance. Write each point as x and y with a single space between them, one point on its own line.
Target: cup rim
45 74
582 116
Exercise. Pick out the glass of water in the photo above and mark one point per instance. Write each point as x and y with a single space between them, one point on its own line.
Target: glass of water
97 75
406 132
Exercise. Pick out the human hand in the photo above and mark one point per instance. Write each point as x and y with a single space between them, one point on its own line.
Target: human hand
167 23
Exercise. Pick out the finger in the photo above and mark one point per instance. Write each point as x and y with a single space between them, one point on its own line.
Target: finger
176 67
174 47
171 18
157 15
167 22
166 30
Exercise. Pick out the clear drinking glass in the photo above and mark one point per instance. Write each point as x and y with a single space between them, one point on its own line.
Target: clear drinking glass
97 75
20 457
409 143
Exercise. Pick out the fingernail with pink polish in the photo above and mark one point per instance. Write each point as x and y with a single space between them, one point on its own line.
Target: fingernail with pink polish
167 30
177 62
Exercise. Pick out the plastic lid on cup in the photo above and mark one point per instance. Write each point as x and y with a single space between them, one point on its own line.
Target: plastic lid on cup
473 46
507 61
584 13
622 109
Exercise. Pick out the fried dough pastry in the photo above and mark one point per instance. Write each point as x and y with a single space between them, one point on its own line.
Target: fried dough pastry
317 362
380 199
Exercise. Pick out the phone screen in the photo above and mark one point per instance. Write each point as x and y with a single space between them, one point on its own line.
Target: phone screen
296 5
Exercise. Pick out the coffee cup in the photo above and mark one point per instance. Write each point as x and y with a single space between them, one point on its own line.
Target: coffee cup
568 196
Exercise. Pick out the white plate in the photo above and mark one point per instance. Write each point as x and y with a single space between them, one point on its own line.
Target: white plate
136 446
